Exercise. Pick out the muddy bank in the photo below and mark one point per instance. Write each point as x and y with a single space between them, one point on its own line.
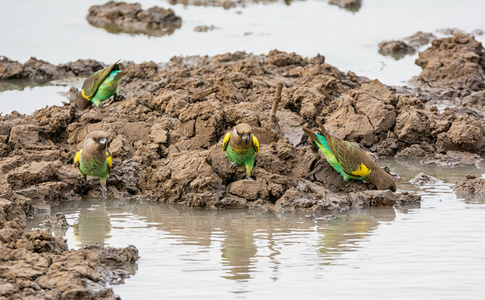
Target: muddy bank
39 71
35 263
125 17
166 136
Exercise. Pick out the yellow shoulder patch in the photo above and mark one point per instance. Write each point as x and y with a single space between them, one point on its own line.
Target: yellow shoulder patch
225 142
84 95
361 171
255 144
109 159
77 157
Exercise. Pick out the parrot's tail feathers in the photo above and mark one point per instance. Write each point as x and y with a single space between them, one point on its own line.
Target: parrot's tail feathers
324 131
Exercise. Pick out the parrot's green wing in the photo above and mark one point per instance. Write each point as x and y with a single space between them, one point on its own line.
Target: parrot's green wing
77 158
225 142
351 158
255 144
92 83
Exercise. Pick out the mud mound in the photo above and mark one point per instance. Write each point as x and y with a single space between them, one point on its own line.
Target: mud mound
35 263
351 5
118 17
409 45
456 62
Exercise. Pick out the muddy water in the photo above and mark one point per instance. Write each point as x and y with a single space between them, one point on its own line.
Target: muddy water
432 250
59 33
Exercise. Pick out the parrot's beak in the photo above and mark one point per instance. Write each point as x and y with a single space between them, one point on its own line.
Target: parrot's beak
103 141
245 137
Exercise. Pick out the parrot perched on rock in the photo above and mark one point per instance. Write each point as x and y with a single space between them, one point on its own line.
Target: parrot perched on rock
241 147
94 158
351 161
102 84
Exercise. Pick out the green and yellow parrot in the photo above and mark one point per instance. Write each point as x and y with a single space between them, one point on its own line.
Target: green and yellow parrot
102 84
94 158
351 161
241 147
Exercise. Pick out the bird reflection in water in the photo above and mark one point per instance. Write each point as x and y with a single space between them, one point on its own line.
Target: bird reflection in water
93 225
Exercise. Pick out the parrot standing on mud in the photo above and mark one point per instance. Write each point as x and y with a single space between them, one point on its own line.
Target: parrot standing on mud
241 147
351 161
101 85
94 158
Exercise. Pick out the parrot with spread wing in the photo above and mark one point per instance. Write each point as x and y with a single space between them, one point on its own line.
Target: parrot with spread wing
351 161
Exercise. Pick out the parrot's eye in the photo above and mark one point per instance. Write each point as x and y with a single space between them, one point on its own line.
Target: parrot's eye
95 139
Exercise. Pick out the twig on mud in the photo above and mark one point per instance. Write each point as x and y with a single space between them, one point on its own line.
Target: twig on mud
204 93
276 101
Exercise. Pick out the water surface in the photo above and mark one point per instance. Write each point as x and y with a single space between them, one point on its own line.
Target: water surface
432 250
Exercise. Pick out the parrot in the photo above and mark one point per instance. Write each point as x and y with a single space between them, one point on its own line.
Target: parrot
351 161
241 147
101 85
94 158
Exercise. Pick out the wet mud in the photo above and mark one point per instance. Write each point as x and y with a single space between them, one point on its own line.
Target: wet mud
118 17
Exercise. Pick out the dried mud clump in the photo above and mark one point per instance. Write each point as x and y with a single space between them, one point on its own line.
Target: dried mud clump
131 18
470 186
34 263
456 62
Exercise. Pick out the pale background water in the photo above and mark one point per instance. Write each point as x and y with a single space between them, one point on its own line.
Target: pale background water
57 31
434 250
431 250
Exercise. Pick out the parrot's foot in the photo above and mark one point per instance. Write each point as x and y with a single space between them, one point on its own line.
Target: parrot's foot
249 178
119 98
104 191
233 165
82 179
107 103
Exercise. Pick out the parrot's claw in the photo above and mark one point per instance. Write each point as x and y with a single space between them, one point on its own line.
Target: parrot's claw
233 165
249 178
119 98
82 179
104 191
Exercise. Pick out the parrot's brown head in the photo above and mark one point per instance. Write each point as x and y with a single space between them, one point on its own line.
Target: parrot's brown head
383 180
96 141
243 131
